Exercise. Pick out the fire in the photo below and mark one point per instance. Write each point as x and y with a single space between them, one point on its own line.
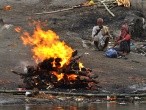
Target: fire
57 64
59 76
72 76
51 54
126 3
18 29
46 44
7 8
81 65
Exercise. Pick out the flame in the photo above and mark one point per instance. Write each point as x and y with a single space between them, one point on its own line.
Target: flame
59 76
18 29
46 44
72 76
126 3
7 8
81 65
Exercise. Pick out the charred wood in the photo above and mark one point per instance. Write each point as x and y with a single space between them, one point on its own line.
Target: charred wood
49 74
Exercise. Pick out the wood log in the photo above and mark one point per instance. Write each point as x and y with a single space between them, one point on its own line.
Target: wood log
61 10
18 73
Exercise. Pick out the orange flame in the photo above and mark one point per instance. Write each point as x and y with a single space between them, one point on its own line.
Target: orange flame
46 44
72 76
59 76
18 29
7 8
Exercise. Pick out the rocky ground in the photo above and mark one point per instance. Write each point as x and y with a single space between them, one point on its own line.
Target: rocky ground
73 26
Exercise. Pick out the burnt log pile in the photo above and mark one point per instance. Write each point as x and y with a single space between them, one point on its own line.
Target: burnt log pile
49 74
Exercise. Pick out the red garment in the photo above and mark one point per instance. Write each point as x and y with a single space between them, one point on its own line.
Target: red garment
124 33
126 37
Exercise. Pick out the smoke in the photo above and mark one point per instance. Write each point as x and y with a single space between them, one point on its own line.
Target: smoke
24 64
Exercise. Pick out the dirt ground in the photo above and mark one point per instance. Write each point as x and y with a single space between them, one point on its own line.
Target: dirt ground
72 26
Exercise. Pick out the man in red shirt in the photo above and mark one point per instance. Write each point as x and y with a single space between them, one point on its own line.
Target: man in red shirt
124 40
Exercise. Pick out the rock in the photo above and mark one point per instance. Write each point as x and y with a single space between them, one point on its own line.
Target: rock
86 44
136 22
1 22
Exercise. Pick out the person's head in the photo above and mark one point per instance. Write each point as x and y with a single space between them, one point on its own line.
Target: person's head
100 21
124 29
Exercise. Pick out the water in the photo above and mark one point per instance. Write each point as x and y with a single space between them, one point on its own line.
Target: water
78 106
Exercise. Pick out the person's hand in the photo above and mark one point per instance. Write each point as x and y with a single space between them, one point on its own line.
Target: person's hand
119 41
114 45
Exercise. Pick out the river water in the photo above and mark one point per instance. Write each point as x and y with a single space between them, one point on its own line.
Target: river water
78 106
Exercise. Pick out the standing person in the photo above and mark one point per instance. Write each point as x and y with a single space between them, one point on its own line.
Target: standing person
100 35
123 41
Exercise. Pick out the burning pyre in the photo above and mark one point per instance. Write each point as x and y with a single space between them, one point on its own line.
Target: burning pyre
58 65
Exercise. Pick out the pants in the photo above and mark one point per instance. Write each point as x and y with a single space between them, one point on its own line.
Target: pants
100 47
125 46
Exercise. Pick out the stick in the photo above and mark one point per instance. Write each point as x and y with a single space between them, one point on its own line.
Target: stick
55 11
18 73
66 9
77 6
107 8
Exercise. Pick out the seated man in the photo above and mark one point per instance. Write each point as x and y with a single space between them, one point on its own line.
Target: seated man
100 35
123 41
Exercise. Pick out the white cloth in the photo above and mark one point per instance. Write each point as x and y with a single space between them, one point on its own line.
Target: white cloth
101 36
